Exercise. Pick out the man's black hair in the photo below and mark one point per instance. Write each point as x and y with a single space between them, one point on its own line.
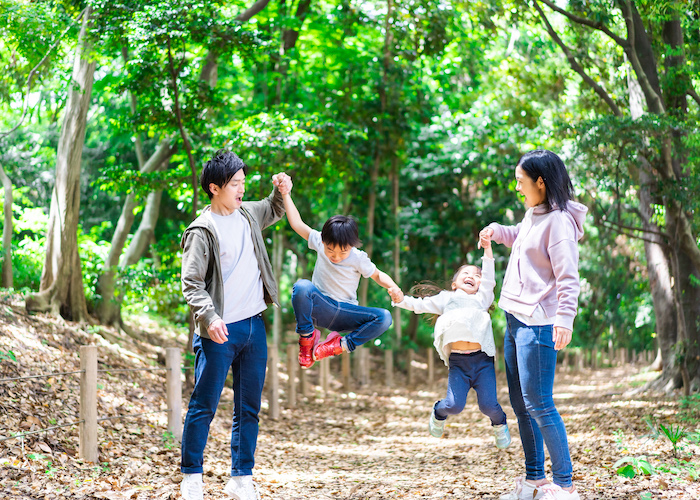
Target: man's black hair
220 169
545 164
341 230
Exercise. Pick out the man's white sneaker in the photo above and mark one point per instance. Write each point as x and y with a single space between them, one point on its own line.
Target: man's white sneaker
242 488
192 487
524 490
436 427
502 435
554 492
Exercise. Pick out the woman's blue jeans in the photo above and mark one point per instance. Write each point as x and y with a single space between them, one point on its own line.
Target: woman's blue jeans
474 370
245 352
312 308
530 363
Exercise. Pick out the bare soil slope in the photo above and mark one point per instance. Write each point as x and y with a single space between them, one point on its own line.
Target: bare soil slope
371 444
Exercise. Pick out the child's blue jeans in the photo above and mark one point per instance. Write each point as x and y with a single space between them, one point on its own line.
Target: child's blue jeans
530 362
474 370
245 352
314 309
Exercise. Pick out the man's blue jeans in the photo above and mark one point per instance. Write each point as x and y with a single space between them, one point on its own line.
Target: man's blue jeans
530 362
473 370
312 308
245 352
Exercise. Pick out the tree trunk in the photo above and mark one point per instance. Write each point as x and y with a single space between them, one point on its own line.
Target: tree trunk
7 230
397 242
109 309
144 234
678 325
61 290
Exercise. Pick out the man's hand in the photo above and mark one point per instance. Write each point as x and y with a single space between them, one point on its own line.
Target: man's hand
396 294
283 183
217 331
561 337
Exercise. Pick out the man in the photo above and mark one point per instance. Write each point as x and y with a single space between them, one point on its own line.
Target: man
227 281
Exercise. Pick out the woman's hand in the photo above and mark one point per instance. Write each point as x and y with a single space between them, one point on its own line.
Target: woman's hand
561 337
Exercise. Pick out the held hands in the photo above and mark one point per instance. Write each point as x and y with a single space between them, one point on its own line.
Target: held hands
283 183
396 294
561 337
485 238
217 331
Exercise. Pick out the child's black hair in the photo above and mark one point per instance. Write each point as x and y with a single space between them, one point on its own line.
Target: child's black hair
545 164
220 169
341 231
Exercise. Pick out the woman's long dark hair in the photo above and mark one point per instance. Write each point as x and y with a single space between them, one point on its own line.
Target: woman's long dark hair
545 164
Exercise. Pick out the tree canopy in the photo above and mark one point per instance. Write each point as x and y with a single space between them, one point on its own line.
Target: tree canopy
409 115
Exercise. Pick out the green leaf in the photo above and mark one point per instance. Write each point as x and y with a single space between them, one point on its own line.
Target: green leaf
627 471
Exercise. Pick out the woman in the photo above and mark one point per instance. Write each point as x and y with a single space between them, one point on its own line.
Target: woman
540 297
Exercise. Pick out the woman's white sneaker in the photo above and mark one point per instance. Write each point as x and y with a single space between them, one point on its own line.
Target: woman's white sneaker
554 492
524 490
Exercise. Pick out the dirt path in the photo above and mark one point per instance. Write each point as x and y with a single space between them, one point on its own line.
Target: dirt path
375 445
369 445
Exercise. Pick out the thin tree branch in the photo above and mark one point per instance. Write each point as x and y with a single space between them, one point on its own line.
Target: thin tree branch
247 14
653 100
183 133
586 22
290 36
34 70
691 92
629 232
575 65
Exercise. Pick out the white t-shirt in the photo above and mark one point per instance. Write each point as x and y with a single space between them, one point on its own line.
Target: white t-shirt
463 317
339 281
243 286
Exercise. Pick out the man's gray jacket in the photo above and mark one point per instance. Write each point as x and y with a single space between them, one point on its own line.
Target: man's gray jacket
202 282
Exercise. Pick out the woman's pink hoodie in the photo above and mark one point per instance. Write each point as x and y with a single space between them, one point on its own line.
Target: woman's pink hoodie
543 265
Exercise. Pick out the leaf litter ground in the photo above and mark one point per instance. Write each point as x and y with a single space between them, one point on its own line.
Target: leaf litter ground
368 444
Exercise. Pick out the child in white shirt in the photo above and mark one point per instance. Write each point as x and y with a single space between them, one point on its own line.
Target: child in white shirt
464 341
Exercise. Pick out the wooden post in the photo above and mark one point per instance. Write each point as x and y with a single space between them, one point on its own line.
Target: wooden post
273 377
88 404
411 371
274 355
345 370
303 383
389 367
292 364
581 360
173 391
368 365
361 365
594 358
325 375
431 365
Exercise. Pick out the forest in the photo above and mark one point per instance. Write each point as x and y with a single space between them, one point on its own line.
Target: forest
409 115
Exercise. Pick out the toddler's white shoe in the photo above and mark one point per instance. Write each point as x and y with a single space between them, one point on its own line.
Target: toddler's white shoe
524 490
242 488
554 492
502 435
192 487
436 427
